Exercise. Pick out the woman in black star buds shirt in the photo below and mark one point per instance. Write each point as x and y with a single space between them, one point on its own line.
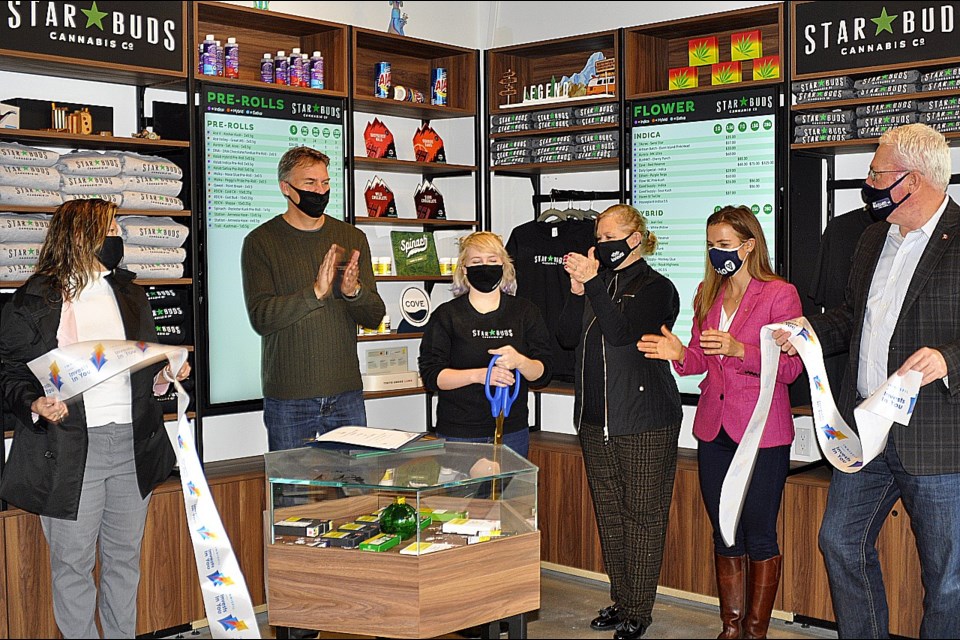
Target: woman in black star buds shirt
466 332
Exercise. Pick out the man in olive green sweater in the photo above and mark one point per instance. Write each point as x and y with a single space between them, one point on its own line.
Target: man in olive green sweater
306 304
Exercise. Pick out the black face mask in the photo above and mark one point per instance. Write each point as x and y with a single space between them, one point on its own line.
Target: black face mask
311 203
880 202
613 252
110 253
485 277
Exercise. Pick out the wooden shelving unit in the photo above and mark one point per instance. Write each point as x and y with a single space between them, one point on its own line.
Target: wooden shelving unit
390 336
434 169
417 222
59 139
258 32
652 50
411 61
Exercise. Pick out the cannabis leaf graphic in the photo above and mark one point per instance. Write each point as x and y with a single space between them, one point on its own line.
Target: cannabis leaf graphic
745 47
682 80
765 71
701 52
724 76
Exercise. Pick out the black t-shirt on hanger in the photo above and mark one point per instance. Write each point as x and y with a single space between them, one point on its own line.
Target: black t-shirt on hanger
537 249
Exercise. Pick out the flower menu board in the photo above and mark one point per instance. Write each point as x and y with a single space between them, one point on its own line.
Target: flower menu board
690 156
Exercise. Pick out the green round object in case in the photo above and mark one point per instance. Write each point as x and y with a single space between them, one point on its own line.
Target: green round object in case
399 518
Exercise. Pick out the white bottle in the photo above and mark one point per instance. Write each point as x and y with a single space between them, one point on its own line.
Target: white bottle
384 325
295 70
210 55
231 59
316 71
266 68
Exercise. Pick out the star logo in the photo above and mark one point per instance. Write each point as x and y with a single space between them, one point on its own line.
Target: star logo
884 22
94 16
743 102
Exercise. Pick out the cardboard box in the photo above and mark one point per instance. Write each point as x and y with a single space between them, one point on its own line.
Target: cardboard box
9 116
391 381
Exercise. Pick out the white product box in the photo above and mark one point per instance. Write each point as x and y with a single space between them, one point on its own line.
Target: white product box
9 116
391 381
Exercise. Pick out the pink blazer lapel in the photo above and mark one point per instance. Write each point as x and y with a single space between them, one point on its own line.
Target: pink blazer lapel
746 307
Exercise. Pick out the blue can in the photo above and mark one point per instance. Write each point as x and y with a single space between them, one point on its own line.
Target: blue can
438 86
381 80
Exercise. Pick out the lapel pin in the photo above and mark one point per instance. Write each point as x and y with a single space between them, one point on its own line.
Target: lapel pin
945 236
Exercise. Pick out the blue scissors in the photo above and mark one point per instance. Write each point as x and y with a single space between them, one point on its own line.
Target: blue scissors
501 399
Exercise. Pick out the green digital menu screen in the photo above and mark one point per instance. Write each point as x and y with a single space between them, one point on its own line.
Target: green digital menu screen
245 133
690 156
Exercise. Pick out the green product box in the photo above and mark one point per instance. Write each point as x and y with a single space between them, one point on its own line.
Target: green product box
380 542
445 515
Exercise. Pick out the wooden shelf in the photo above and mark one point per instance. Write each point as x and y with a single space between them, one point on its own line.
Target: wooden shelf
411 61
58 139
120 212
858 102
258 32
170 417
706 89
413 278
586 102
581 128
557 389
859 145
266 86
537 63
395 393
416 222
15 284
651 50
386 106
390 336
540 168
436 169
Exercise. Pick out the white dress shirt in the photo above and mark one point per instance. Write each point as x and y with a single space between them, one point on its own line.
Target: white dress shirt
898 262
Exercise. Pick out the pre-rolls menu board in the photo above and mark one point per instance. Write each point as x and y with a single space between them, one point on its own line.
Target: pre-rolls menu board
246 132
691 156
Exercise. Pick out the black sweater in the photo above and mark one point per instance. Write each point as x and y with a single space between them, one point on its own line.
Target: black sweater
459 337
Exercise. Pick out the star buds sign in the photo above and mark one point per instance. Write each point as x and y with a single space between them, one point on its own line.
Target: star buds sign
136 34
832 37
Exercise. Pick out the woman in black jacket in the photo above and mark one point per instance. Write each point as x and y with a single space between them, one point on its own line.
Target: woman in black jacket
627 408
87 466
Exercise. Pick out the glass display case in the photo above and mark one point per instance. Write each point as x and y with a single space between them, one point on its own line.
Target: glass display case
414 543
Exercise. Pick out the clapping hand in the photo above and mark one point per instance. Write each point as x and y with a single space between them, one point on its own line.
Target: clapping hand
351 275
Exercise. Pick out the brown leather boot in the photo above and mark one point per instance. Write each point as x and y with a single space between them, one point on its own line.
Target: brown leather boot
762 588
731 584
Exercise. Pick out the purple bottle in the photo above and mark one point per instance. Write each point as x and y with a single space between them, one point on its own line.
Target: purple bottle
316 71
266 68
281 68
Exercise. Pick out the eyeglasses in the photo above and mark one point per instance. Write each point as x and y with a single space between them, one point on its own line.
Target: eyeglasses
873 175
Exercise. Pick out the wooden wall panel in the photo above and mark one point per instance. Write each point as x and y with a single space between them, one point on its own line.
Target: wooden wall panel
29 592
159 604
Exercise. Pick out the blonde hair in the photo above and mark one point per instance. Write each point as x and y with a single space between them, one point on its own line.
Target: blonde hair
746 227
631 220
484 242
69 252
923 149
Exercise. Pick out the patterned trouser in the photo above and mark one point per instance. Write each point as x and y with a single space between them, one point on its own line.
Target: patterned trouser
631 482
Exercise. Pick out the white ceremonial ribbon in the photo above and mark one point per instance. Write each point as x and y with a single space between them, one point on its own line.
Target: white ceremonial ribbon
892 402
67 372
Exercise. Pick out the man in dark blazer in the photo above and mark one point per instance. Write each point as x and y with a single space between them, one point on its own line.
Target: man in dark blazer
902 312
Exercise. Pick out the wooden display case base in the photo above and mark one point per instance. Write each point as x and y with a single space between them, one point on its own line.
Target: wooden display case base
389 595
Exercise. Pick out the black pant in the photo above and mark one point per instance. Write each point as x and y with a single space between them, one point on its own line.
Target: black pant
631 482
757 530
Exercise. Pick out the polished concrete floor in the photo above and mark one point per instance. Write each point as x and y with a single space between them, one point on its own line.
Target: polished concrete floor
568 603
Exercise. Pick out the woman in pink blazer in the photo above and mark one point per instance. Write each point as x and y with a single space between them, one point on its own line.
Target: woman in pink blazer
739 294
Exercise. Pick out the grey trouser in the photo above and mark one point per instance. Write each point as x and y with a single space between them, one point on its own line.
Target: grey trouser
112 510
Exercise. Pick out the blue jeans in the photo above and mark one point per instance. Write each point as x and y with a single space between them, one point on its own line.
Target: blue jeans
857 505
519 441
290 423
